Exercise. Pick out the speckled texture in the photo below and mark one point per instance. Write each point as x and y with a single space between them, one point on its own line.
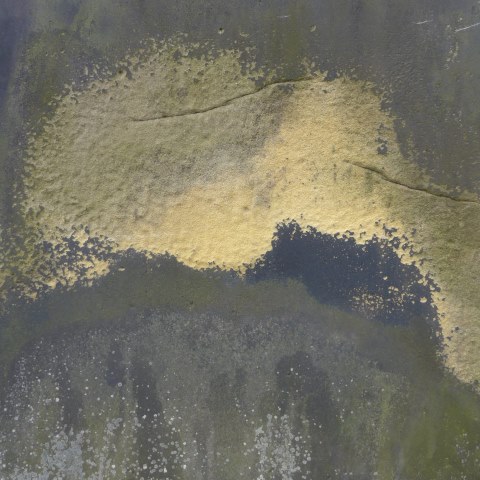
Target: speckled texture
244 391
250 229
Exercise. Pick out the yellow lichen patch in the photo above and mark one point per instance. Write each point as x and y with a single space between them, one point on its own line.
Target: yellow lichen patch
185 156
115 154
305 172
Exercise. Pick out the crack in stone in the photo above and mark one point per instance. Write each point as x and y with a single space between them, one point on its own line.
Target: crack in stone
223 104
374 170
389 179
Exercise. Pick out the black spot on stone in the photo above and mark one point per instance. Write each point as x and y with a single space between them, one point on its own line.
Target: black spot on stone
331 75
382 149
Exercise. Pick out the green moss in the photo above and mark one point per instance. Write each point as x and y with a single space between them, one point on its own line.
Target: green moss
442 433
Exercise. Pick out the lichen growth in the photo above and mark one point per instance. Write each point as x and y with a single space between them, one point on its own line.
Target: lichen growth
186 154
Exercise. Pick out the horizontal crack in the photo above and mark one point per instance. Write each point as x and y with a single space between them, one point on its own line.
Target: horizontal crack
379 172
220 105
385 177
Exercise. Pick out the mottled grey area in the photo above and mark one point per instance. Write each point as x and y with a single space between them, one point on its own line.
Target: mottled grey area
214 378
203 396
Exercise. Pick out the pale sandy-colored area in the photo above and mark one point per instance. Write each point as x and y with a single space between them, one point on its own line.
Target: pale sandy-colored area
186 155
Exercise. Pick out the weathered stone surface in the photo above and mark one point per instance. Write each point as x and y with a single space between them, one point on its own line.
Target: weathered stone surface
313 166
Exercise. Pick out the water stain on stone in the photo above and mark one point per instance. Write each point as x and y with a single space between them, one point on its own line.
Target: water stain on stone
368 278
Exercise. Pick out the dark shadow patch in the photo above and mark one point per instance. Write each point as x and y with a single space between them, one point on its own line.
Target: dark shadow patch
115 372
71 401
365 278
157 443
305 388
